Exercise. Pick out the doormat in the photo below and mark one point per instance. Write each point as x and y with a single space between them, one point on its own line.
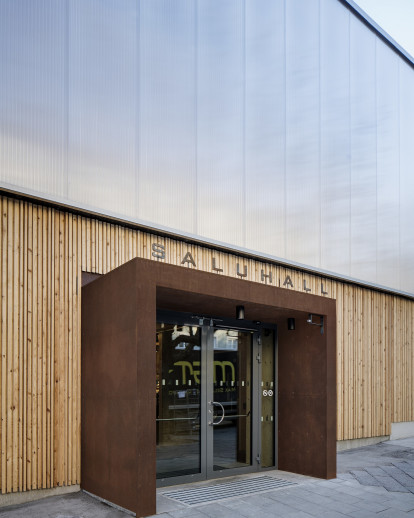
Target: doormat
204 494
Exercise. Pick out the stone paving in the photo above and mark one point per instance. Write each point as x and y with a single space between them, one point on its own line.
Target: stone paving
374 481
343 496
397 477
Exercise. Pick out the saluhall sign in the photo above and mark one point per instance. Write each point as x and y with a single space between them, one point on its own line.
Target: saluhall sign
159 252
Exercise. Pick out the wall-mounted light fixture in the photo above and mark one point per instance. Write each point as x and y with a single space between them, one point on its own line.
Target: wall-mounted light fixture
291 324
320 323
240 312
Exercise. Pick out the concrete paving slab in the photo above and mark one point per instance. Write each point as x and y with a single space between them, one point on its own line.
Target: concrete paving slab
390 466
399 475
373 505
365 478
391 484
392 513
401 503
249 511
401 443
304 506
217 511
406 467
375 455
331 514
182 513
363 514
75 505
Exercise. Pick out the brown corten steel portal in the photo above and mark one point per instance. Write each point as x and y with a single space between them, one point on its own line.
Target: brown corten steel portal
118 372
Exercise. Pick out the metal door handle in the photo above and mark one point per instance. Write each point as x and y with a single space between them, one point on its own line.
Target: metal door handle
212 423
240 415
178 419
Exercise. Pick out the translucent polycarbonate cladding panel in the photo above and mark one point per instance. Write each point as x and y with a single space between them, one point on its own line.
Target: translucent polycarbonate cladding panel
406 178
102 80
363 153
335 138
220 121
33 95
265 126
302 132
388 185
167 113
280 125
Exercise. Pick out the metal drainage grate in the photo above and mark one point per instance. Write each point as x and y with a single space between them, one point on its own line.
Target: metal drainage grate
201 495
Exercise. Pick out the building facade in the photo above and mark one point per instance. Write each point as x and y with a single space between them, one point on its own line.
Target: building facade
266 147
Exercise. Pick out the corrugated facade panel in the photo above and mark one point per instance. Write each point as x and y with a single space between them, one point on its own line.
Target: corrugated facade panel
102 101
335 143
265 140
167 123
303 183
363 257
33 109
406 176
280 127
388 195
220 120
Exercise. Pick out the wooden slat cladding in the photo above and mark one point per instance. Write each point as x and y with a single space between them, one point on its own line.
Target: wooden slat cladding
40 347
43 252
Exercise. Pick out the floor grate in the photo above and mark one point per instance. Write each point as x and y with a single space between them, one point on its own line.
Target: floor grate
201 495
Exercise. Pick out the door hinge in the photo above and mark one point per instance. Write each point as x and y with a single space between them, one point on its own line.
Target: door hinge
258 358
258 459
259 340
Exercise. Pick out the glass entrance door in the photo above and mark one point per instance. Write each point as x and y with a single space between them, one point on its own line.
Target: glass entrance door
211 409
230 409
178 399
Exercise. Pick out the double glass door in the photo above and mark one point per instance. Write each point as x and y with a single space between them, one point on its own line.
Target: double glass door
209 391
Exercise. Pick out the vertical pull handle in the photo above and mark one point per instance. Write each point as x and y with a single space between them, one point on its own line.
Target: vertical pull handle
212 423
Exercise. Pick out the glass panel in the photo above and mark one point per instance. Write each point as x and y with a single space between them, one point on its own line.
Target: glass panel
268 399
178 400
232 395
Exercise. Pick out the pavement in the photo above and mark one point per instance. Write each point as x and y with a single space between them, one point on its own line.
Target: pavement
372 481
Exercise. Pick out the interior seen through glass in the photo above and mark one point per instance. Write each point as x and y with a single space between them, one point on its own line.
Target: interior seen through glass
178 400
225 382
232 387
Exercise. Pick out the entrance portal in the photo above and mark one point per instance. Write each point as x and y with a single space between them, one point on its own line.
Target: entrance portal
216 397
123 446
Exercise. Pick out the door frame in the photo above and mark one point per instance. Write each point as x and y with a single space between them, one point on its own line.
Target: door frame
207 326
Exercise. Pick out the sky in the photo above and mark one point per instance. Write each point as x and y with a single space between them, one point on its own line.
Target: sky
396 17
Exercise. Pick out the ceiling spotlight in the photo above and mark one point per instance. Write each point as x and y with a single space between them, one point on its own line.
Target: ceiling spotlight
240 312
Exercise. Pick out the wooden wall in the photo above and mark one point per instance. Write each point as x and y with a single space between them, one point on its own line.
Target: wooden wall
40 347
43 252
